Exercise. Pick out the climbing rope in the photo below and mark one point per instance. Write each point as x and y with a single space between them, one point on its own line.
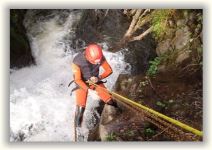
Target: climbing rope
151 112
169 129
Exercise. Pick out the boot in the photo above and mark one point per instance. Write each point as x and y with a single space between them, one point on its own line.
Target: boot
79 116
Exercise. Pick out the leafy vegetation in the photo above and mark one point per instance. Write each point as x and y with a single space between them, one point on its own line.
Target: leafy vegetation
111 137
154 66
159 21
159 103
149 132
199 55
129 133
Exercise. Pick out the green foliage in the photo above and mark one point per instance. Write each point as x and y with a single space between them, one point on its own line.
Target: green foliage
149 132
200 50
159 21
200 18
111 137
160 104
130 133
154 66
162 59
13 16
199 54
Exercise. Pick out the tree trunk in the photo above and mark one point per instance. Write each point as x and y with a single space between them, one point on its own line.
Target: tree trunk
133 23
141 36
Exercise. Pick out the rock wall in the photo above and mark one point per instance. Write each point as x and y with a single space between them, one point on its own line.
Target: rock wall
20 52
176 88
182 44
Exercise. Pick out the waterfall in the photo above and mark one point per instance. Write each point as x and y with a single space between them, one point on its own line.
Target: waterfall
41 108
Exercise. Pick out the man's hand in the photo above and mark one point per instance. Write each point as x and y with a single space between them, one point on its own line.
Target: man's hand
94 79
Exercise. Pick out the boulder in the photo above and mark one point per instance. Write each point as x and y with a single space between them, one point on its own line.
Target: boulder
182 37
163 47
102 25
182 56
108 115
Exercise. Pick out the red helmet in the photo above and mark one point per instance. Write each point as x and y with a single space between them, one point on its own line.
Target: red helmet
93 53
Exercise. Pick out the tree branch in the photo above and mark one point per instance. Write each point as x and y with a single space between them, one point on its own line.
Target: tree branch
133 23
132 12
142 22
141 36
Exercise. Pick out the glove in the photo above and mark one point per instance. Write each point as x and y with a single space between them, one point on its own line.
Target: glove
94 79
92 87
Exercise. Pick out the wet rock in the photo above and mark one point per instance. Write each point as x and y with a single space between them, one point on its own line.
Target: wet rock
20 51
182 37
140 138
139 54
94 134
132 90
103 132
171 23
191 17
108 115
180 22
162 68
102 25
130 80
119 139
163 47
184 55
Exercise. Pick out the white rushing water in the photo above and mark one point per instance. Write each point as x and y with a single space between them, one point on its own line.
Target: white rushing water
41 108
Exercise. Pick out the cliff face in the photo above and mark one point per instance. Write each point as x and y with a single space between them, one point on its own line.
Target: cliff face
181 48
172 84
20 52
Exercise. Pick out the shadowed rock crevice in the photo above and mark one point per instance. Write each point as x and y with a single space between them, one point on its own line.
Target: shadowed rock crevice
20 51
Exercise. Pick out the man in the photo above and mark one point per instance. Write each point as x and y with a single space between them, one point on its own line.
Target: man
85 67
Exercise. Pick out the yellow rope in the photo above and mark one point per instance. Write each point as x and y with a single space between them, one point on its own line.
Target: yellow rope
171 120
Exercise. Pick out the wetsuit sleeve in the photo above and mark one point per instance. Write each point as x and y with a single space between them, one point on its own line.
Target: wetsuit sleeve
107 70
77 76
